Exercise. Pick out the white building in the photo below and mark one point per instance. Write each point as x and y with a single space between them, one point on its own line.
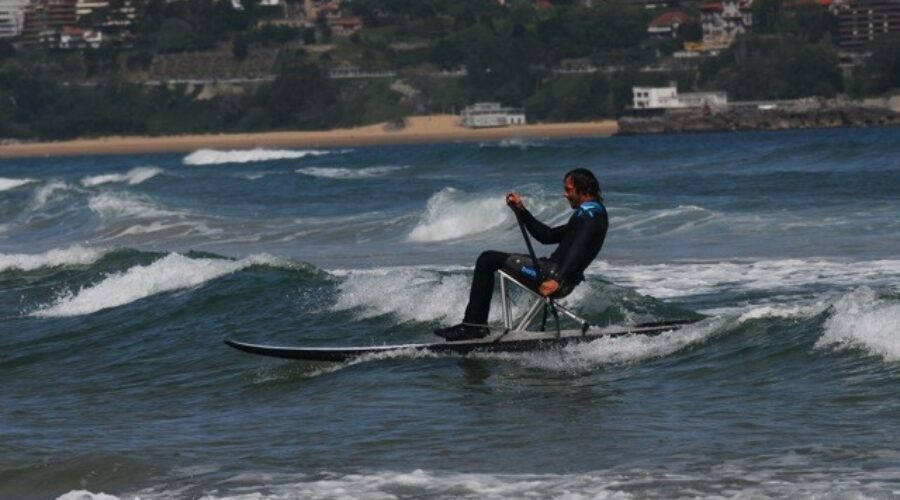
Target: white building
669 98
85 7
12 17
491 114
724 21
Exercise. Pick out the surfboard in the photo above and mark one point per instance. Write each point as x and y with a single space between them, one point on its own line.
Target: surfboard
512 341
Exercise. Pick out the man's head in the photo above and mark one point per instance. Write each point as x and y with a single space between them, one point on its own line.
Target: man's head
579 186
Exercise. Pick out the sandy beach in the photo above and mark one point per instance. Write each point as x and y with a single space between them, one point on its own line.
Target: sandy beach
419 129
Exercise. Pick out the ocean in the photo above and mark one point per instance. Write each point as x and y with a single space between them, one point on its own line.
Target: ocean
121 275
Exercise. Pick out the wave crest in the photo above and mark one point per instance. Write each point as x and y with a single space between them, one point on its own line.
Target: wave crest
7 184
216 157
451 214
74 255
172 272
132 177
47 192
863 320
114 205
348 173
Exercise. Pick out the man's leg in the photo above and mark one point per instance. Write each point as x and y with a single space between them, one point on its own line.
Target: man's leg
483 286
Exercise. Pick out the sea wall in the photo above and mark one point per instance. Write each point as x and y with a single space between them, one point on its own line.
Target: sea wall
781 115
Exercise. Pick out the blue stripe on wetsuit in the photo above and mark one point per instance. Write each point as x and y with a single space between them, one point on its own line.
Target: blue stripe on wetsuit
588 207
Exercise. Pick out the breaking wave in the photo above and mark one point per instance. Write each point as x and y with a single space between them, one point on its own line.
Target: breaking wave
861 319
7 184
74 255
215 157
132 177
115 205
410 294
47 192
172 272
348 173
451 214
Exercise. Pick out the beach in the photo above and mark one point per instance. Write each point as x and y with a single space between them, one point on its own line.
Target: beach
418 129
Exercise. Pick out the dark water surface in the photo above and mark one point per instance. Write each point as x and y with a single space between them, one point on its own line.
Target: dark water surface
120 276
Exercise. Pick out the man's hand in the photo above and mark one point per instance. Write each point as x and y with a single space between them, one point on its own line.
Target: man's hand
548 287
514 201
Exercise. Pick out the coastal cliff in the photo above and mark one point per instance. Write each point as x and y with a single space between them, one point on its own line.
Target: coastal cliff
803 113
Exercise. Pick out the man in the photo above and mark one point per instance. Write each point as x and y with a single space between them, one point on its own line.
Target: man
580 240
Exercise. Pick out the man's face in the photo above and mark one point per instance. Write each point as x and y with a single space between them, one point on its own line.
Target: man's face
570 194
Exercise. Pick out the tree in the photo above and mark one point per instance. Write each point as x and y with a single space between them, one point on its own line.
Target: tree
301 97
766 15
882 72
175 35
691 31
239 48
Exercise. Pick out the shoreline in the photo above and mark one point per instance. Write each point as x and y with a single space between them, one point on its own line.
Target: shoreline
418 130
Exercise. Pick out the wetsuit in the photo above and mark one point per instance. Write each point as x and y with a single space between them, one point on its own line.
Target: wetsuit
580 240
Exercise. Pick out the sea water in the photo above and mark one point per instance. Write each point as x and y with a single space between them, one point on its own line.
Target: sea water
121 275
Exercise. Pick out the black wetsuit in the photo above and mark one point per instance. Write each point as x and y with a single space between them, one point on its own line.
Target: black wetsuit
580 240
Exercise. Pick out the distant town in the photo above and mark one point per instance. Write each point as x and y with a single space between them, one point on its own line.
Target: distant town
74 68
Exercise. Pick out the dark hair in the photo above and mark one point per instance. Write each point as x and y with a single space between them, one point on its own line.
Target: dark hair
584 181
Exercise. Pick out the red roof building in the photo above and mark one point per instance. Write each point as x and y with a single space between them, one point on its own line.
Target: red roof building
666 24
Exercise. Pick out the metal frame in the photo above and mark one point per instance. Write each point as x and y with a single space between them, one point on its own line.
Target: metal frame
532 313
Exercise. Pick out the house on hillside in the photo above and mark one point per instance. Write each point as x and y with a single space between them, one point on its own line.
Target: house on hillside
12 17
666 25
724 21
491 114
860 22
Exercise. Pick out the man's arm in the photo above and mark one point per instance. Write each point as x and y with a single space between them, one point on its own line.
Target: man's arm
541 232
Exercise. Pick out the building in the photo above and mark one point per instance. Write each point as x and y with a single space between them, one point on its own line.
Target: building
669 98
666 25
45 19
72 37
86 7
12 18
860 22
724 21
491 114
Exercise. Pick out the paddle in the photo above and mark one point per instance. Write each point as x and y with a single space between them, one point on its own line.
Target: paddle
537 268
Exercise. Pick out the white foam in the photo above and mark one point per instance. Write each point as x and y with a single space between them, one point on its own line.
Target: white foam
411 294
861 319
114 205
7 184
74 255
348 173
132 177
46 192
215 157
513 142
679 279
86 495
451 214
755 477
172 272
617 350
425 484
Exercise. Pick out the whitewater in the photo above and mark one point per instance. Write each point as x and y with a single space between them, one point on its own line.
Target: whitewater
121 275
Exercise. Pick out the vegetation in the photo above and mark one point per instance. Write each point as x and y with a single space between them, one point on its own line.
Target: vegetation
510 54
